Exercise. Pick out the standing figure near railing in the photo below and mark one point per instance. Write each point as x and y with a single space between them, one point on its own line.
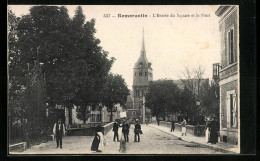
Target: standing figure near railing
183 128
115 129
172 125
98 141
58 131
207 129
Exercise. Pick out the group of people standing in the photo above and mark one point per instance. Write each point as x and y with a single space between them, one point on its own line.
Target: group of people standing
212 130
125 130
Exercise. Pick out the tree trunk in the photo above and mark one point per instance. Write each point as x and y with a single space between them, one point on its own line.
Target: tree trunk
111 115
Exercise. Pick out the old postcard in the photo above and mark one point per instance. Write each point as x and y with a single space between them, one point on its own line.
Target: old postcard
123 79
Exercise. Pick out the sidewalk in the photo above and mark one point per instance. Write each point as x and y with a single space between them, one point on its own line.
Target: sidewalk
221 146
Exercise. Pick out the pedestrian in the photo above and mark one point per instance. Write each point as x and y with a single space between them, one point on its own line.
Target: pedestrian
115 129
129 123
183 127
146 121
58 131
97 143
158 121
137 131
207 129
125 131
172 125
214 130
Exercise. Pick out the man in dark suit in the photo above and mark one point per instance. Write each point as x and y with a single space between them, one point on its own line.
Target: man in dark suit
59 130
137 131
172 125
115 129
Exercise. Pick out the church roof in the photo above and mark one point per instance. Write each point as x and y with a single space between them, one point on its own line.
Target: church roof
142 60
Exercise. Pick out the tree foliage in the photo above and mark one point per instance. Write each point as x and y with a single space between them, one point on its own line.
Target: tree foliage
163 98
54 59
115 92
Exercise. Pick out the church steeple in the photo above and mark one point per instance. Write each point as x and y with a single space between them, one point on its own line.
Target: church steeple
143 52
142 61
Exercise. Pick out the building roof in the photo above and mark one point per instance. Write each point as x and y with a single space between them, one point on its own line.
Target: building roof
221 10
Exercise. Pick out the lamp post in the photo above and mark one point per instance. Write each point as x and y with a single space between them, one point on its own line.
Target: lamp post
198 104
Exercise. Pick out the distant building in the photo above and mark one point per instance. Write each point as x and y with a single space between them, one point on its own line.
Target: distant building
142 75
228 74
94 116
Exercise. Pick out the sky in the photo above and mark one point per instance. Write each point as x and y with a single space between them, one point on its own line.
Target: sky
171 43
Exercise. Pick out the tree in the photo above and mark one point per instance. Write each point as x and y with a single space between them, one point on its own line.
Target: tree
83 113
194 82
115 92
188 105
163 98
90 65
65 53
210 100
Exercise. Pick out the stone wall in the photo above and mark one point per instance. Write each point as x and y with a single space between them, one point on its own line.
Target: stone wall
190 129
88 131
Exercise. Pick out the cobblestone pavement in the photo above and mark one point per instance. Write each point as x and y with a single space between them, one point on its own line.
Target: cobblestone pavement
153 141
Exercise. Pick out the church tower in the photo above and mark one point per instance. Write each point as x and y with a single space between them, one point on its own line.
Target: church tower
142 75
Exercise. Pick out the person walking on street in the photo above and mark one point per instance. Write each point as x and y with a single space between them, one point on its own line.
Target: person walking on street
98 141
137 131
183 128
125 131
59 130
158 121
214 129
172 125
115 129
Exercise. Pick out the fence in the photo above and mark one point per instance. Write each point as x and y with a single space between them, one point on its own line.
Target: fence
197 130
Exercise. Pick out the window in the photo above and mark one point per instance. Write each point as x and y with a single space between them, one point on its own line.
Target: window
137 93
140 74
133 113
145 73
135 74
231 109
230 45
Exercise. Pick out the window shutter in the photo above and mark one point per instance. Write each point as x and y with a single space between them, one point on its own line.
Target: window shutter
228 110
234 111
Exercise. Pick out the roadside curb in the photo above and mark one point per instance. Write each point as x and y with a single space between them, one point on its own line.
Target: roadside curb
200 144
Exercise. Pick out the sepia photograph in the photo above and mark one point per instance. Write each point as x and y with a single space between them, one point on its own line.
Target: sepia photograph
123 79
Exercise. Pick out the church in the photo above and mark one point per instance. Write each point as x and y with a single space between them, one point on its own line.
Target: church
142 75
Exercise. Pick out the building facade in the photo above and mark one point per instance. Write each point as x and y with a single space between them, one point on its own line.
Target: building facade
229 74
94 115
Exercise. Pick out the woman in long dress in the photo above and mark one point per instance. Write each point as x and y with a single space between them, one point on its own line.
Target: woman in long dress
98 144
214 129
207 130
183 128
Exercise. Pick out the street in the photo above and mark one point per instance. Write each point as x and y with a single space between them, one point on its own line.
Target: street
153 141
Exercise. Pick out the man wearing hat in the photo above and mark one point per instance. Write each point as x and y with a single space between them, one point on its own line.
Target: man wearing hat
59 130
137 131
115 129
